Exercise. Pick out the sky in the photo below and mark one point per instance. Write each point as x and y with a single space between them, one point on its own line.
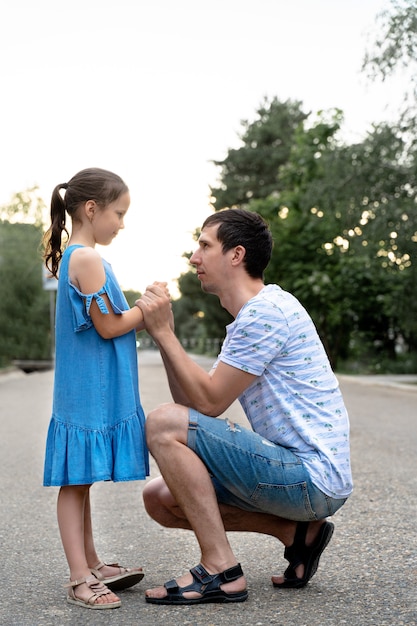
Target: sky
155 90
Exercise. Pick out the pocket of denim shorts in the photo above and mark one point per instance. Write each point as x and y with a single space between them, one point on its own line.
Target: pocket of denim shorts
287 501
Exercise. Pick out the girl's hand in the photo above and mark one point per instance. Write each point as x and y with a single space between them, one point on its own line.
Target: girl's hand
155 305
163 286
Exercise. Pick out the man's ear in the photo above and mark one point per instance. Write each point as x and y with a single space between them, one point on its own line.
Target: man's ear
238 255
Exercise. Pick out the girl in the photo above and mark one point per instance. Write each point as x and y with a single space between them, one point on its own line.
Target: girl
97 427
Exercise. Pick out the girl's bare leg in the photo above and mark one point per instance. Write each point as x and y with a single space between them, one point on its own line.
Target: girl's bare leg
89 547
90 550
76 535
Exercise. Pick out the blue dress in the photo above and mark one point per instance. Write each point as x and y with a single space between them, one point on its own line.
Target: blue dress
96 430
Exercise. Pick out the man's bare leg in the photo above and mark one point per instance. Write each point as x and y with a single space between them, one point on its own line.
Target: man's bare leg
164 509
191 487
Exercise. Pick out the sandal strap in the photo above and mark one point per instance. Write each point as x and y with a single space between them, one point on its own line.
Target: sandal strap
100 565
96 586
202 577
201 574
298 551
233 573
75 583
115 565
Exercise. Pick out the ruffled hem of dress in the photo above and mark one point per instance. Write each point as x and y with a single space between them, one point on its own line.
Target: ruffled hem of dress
79 456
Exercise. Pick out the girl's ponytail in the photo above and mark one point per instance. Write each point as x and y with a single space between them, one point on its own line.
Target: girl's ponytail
53 236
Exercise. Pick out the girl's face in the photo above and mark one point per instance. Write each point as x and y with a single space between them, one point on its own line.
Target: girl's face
107 222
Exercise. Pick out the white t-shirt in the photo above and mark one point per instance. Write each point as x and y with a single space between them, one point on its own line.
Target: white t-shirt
295 401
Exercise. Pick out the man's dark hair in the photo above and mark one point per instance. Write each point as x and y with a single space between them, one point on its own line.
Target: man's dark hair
239 227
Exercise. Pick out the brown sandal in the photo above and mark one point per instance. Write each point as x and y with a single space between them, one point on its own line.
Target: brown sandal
97 588
127 577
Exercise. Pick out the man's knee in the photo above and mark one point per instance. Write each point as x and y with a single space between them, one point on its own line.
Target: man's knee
151 495
166 423
158 501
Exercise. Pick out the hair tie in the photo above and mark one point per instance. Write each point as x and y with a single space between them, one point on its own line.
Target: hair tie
64 186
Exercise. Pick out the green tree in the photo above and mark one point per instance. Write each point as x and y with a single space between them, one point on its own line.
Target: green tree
344 222
25 207
300 262
251 171
24 305
344 228
394 51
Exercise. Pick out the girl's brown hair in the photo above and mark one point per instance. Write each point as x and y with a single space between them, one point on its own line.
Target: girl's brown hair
95 184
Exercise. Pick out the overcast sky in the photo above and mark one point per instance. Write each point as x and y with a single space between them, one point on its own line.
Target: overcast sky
156 89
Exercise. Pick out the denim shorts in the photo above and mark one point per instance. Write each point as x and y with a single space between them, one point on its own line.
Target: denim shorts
254 474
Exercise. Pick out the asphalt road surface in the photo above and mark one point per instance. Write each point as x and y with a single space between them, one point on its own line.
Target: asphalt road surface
367 575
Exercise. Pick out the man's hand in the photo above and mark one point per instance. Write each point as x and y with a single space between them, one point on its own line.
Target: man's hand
155 305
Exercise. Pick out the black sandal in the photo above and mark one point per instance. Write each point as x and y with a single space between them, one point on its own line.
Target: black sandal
208 585
300 554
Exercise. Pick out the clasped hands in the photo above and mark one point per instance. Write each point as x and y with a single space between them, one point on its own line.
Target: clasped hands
155 305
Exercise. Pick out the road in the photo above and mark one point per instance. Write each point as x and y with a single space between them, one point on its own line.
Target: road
367 575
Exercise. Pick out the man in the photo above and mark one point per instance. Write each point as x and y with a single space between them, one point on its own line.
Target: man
284 477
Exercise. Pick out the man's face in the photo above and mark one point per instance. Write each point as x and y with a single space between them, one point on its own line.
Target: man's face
209 260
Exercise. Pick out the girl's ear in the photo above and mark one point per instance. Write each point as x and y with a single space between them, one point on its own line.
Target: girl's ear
90 209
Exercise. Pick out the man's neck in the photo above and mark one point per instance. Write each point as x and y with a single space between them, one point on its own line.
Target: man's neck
234 298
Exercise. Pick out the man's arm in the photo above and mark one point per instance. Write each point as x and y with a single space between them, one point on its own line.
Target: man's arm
209 393
177 392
